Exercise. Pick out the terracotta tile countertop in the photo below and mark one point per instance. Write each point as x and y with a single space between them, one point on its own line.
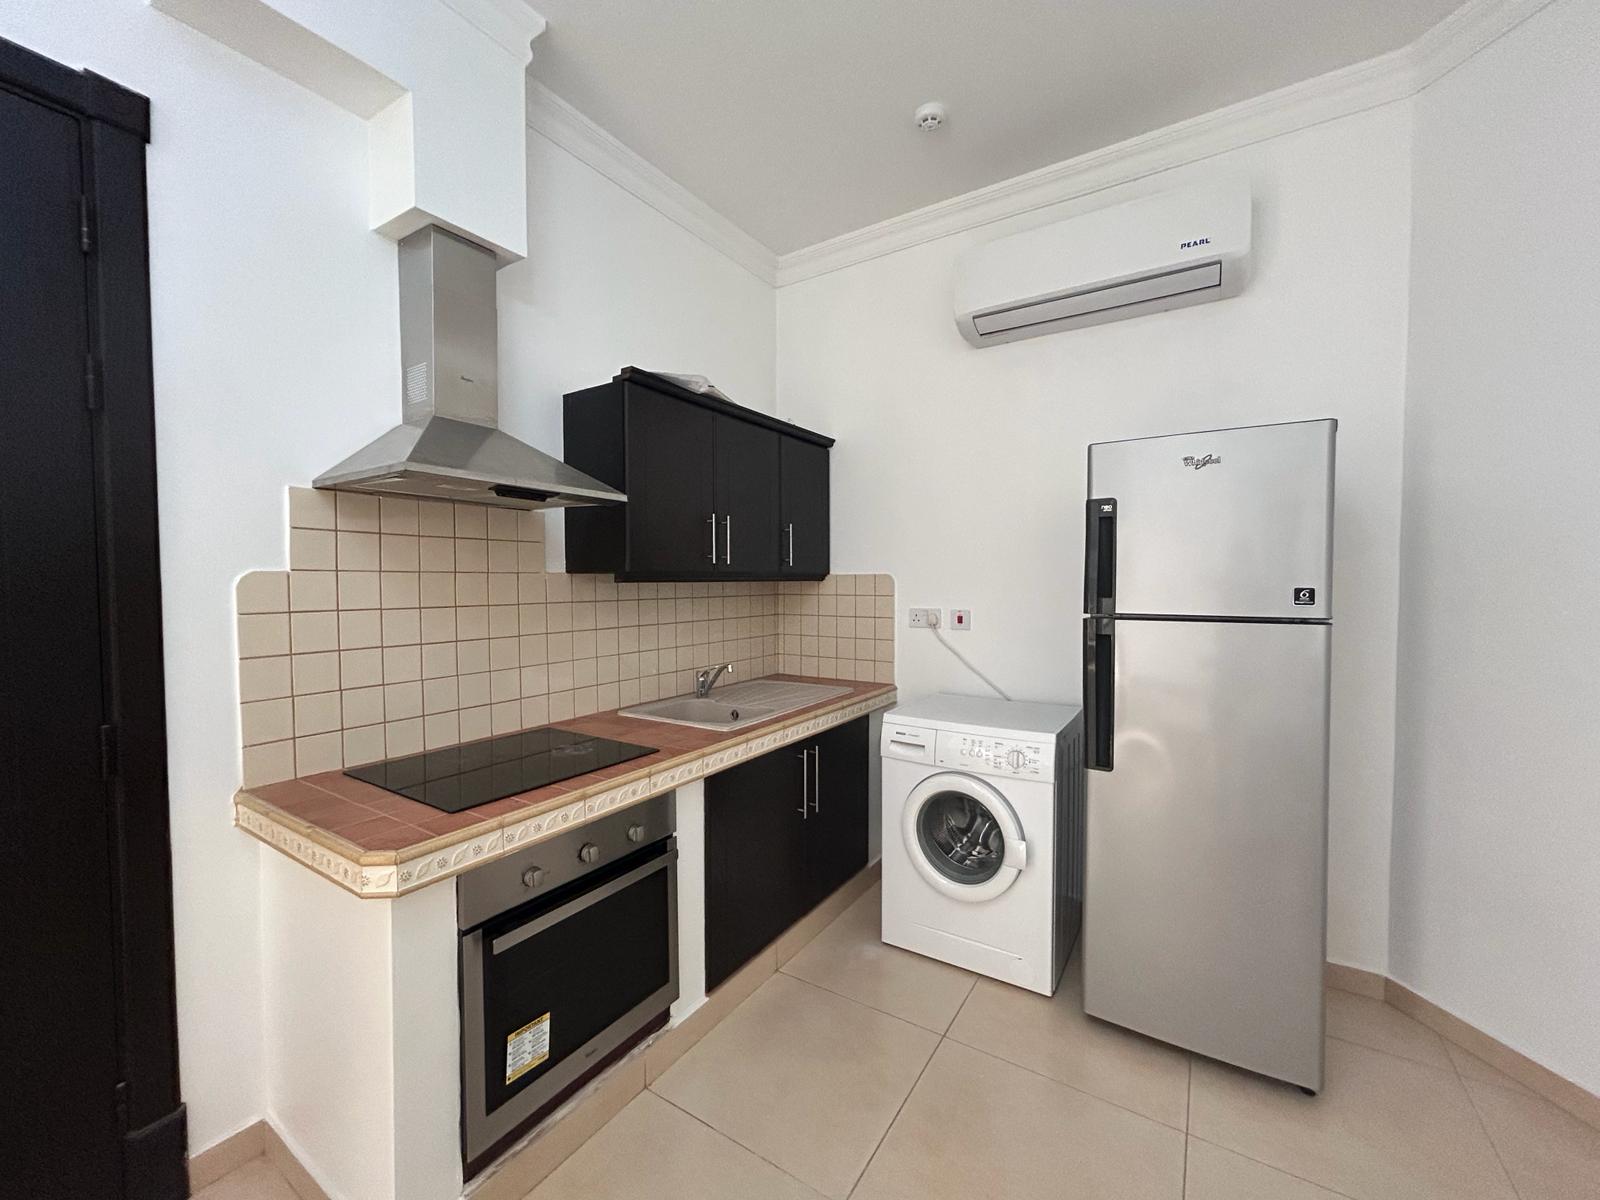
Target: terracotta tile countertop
379 844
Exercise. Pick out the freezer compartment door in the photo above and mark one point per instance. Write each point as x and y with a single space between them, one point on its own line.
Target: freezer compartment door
1205 909
1236 523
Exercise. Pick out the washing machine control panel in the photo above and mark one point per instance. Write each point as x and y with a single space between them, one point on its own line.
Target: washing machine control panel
995 755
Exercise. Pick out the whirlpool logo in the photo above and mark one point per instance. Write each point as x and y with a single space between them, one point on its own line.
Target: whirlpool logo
1209 460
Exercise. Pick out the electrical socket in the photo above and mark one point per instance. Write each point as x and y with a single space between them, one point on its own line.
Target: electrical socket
960 618
924 618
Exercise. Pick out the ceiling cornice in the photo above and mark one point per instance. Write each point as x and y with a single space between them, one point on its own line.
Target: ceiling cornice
510 24
1462 34
1348 90
552 117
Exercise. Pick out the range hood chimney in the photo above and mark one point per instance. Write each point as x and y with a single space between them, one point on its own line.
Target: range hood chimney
448 445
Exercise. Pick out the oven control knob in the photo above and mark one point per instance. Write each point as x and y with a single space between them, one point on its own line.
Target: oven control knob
533 877
590 853
636 833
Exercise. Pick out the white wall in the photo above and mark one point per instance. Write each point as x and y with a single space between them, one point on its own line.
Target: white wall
442 82
329 1027
1496 909
277 353
961 471
361 1024
609 282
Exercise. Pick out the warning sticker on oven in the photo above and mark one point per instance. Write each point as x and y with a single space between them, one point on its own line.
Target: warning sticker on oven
527 1048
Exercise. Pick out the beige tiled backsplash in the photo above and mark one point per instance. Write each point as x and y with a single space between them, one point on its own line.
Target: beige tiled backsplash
840 628
404 625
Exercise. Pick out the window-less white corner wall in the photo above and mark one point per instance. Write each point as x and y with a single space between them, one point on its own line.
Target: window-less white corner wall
1496 904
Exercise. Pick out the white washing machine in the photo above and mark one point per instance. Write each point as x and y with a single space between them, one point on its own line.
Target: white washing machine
983 834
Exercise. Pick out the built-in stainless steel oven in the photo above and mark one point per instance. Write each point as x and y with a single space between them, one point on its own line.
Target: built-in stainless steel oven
569 957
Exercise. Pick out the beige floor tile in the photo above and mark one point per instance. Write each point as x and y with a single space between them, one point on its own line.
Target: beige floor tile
732 992
1383 1127
1052 1035
976 1126
653 1149
229 1154
1379 1026
1550 1154
581 1118
1212 1173
799 935
1474 1068
258 1179
804 1078
849 957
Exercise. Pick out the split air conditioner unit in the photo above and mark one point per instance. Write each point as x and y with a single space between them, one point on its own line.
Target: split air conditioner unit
1165 251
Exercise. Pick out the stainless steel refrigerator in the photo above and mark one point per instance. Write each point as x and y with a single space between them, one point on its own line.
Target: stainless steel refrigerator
1208 613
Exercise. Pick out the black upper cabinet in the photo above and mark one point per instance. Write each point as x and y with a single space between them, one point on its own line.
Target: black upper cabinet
670 486
803 508
714 490
747 497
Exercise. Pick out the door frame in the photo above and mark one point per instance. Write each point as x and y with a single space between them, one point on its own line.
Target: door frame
114 125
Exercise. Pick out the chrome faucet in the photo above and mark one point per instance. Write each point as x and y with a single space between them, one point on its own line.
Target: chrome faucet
705 680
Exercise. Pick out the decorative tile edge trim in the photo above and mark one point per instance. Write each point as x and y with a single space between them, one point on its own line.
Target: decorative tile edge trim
385 881
344 871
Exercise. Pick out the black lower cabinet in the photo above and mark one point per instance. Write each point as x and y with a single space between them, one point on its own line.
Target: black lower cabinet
783 831
836 830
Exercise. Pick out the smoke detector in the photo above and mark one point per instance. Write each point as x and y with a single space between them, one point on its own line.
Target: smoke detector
931 116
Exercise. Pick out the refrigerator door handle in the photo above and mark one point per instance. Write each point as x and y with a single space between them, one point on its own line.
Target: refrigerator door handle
1100 557
1099 690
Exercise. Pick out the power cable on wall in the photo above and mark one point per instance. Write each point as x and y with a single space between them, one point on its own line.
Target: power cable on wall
967 663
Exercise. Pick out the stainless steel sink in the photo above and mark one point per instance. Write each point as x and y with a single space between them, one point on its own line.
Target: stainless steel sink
736 705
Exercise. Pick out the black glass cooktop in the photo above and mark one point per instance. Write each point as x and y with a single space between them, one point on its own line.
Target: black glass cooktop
465 776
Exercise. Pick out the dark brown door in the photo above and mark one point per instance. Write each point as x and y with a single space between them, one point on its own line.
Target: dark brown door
803 523
747 498
60 947
670 486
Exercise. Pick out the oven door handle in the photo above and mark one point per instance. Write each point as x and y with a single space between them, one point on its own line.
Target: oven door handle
577 904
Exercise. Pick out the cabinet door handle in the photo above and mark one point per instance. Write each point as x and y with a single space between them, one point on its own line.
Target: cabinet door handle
790 563
816 781
727 532
712 521
805 782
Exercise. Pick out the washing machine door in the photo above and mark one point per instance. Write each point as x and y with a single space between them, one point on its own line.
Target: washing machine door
962 837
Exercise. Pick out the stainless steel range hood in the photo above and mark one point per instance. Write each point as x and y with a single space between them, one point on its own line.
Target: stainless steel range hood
448 446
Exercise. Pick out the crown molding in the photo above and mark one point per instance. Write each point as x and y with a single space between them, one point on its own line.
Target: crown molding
510 24
1471 28
1356 88
553 118
1344 92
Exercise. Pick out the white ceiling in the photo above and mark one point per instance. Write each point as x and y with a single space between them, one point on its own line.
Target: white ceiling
793 117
